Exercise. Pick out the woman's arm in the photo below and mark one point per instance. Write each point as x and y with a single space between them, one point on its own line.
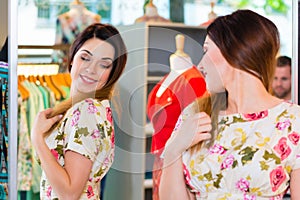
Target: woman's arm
193 130
172 184
68 181
295 187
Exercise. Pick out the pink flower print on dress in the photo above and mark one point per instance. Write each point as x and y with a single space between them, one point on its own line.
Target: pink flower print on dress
282 125
186 175
89 101
282 148
96 134
54 153
49 191
106 162
294 138
217 149
92 109
278 197
256 116
90 192
75 117
112 139
249 197
243 185
228 162
109 114
277 176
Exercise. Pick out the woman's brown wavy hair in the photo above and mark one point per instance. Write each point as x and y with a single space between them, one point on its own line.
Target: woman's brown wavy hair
249 42
111 35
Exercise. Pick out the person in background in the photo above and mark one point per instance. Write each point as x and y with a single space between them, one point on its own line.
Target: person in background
74 141
247 145
282 79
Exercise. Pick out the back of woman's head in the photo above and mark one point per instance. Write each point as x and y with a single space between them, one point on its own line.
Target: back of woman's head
111 35
248 41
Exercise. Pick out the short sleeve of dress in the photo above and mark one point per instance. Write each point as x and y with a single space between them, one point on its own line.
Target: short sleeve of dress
293 138
296 160
88 129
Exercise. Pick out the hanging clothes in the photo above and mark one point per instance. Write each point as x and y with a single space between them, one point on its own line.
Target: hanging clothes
4 130
68 26
40 96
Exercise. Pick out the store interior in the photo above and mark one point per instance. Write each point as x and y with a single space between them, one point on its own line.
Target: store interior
37 36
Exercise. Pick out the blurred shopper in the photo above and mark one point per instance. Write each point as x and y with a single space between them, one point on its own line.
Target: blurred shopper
282 78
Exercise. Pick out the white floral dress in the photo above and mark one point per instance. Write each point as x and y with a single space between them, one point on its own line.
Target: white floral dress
87 129
251 159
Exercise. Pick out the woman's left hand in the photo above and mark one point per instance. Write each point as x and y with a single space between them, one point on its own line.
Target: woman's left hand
42 124
193 130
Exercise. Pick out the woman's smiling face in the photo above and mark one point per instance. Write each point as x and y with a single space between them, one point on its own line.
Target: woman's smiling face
91 66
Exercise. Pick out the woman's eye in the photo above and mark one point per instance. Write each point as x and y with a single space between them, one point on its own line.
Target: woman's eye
84 58
105 66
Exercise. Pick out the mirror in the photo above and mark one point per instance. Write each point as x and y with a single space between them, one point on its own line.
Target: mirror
38 35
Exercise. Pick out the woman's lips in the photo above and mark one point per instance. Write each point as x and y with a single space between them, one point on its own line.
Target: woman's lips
87 79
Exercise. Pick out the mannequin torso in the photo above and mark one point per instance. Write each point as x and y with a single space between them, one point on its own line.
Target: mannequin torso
151 14
71 23
179 63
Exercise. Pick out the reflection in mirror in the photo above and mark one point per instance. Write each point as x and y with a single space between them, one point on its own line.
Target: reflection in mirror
281 86
45 31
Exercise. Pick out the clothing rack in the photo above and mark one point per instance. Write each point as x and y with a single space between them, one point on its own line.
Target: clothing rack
56 46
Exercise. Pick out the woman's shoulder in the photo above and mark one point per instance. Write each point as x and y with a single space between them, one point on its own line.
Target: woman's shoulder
289 111
91 102
89 112
291 107
89 106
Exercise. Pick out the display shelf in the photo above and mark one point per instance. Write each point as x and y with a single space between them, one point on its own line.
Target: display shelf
149 47
154 79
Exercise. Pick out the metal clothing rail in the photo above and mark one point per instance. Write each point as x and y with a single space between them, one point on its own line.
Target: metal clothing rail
57 46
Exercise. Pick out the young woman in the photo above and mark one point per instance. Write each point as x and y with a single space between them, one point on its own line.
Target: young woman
74 141
247 146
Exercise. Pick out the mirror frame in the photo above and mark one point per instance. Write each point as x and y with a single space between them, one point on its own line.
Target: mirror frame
13 96
295 51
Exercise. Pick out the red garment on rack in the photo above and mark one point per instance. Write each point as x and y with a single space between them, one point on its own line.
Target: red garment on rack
164 111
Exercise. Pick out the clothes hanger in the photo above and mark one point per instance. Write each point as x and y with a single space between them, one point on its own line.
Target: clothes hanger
41 80
67 78
21 78
32 79
52 87
62 78
23 91
58 84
